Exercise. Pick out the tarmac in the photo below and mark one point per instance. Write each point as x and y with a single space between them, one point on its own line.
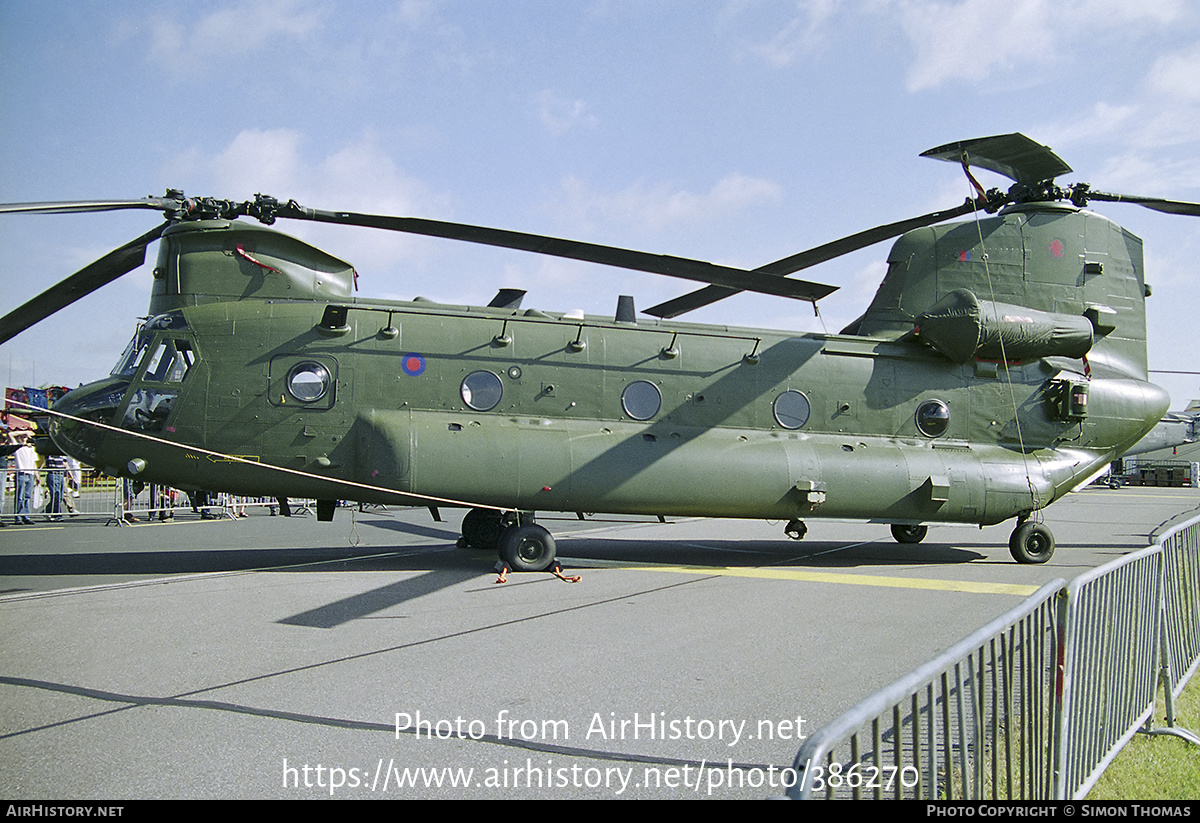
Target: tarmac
273 657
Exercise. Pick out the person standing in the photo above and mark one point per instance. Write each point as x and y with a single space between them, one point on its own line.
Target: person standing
56 467
73 482
7 447
25 459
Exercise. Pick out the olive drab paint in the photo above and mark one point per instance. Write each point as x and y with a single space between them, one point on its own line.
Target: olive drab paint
1001 364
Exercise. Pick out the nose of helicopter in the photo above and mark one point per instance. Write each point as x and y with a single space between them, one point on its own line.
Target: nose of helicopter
96 402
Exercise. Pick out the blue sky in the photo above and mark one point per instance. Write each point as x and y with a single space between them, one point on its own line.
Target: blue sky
738 132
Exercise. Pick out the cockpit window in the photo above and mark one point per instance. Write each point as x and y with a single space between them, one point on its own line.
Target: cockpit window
148 410
176 365
167 360
128 363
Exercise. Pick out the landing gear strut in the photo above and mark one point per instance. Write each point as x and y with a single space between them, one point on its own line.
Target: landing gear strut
522 545
1031 543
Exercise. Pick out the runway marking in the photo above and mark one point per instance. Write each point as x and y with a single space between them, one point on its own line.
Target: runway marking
967 586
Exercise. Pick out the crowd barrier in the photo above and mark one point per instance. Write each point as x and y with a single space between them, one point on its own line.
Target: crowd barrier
89 495
84 494
1034 705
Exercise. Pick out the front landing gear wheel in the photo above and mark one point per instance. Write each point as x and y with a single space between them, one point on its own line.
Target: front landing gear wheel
1031 543
795 529
909 534
527 548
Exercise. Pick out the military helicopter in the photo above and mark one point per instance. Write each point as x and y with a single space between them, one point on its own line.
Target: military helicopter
1001 364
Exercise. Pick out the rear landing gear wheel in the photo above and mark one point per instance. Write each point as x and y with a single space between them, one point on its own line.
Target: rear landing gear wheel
527 548
909 534
1031 543
796 529
481 529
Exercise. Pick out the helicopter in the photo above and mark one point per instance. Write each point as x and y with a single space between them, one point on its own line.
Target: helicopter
1001 364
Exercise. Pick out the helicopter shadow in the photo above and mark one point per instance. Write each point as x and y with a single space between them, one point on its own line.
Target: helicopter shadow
782 554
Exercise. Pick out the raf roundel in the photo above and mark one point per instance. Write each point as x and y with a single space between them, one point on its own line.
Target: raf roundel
413 365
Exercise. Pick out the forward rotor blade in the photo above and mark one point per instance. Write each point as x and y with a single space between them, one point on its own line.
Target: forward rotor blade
686 268
1156 203
83 282
76 206
818 254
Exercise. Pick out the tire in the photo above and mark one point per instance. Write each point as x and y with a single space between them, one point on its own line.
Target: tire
909 534
1031 543
481 529
527 548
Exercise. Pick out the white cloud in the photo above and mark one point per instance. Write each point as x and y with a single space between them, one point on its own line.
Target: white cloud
974 39
660 206
237 30
559 115
1174 75
1149 139
358 176
801 34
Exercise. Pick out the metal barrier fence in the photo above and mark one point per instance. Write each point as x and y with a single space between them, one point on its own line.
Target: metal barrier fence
1180 648
84 494
1033 705
975 722
133 503
87 494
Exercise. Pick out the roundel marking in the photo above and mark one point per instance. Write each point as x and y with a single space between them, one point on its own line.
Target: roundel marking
413 364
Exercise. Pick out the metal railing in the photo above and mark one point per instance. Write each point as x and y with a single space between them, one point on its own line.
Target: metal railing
1180 647
85 493
965 725
1035 704
1111 628
151 502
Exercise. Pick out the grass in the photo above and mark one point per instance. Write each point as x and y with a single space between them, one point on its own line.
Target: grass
1158 767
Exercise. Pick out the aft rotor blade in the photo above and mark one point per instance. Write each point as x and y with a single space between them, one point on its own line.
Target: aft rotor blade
1156 203
83 282
686 268
818 254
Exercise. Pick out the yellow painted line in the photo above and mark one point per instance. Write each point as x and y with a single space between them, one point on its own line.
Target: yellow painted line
968 586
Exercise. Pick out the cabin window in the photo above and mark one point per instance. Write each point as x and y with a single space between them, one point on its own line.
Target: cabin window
933 418
791 409
641 400
308 382
482 390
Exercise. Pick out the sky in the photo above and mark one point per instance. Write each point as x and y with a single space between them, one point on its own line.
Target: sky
732 131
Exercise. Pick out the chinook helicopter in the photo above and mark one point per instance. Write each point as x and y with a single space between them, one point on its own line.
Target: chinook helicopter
1001 364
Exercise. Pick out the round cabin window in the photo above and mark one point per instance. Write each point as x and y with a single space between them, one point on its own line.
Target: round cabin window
308 382
933 418
641 400
791 409
482 390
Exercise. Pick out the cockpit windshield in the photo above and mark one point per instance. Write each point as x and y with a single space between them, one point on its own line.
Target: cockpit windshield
167 358
128 363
